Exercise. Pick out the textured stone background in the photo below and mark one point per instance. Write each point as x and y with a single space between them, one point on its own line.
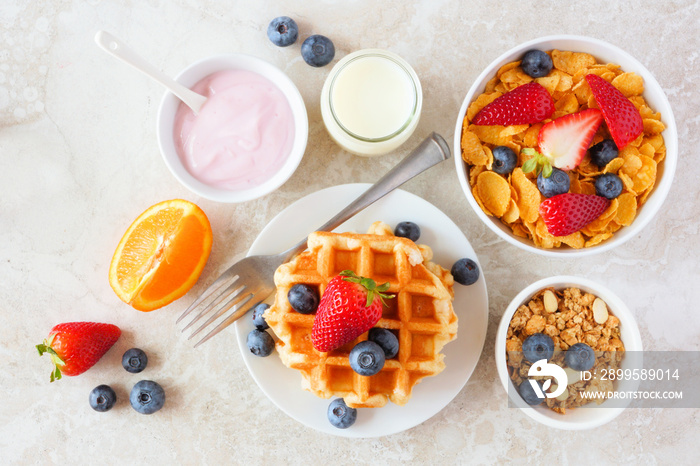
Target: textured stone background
79 161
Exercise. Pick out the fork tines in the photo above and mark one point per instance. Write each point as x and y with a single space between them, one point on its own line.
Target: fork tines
224 301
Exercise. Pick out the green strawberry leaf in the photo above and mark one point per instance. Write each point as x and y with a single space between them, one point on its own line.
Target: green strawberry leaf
45 347
539 163
369 284
530 165
547 170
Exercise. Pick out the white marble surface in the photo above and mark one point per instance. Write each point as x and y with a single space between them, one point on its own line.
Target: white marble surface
79 161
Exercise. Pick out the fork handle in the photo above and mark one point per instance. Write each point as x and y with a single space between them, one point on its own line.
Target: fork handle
431 151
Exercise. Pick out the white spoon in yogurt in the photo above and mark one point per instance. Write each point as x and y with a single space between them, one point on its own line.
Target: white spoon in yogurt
119 49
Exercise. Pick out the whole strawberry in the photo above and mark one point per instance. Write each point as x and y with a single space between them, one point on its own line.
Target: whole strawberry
75 347
622 117
526 104
349 307
567 213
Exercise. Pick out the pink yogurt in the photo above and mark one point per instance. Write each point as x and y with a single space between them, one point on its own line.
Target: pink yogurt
242 135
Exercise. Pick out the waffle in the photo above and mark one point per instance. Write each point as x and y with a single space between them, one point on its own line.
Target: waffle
421 315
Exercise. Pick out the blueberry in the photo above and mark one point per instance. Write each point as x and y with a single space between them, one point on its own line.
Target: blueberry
580 357
465 271
303 298
608 185
386 340
134 360
317 50
603 152
340 415
258 319
367 358
538 346
407 230
528 393
536 64
283 31
102 398
260 343
504 160
147 397
556 183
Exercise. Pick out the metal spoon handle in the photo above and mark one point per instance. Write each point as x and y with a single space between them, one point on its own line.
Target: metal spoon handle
431 151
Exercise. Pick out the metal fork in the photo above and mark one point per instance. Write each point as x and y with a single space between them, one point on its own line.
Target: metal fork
249 281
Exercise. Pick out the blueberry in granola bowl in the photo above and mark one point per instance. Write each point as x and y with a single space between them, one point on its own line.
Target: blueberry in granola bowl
580 357
538 346
527 392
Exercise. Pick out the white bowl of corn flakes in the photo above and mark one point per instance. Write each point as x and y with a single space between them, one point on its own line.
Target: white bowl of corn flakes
510 202
568 311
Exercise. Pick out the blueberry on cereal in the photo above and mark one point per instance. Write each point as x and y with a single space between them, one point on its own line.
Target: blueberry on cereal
608 185
536 64
538 346
580 357
528 393
504 160
603 152
556 183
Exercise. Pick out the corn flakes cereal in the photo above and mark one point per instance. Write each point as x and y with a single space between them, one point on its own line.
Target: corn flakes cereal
629 84
528 196
515 198
627 209
472 151
494 192
645 176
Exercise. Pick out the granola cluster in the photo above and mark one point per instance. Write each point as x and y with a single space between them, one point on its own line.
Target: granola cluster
568 316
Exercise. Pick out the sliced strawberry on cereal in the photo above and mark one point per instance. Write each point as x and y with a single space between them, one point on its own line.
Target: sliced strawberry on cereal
567 213
622 117
526 104
563 142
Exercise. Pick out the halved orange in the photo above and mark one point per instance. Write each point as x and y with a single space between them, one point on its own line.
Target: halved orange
161 255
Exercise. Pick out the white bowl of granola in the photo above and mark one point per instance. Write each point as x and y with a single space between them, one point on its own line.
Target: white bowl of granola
609 329
525 228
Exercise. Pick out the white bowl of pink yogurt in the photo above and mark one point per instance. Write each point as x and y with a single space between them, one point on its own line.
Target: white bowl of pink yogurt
247 139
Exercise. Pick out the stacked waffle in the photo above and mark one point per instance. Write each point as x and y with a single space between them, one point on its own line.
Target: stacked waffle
420 315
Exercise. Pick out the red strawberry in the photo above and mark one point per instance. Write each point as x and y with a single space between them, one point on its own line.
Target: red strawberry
623 118
564 141
75 347
526 104
567 213
349 307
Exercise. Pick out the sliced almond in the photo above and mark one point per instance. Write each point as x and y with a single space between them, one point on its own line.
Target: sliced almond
564 395
600 311
572 376
550 301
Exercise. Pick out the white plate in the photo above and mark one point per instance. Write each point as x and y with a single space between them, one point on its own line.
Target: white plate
283 385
